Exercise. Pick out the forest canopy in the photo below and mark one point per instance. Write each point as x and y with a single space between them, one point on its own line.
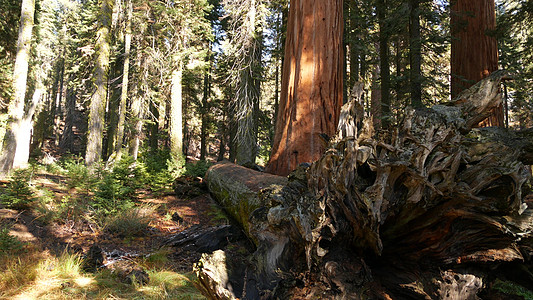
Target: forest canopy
202 79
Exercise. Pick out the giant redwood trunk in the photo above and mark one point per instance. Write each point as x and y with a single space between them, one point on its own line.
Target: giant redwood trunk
474 50
431 209
311 92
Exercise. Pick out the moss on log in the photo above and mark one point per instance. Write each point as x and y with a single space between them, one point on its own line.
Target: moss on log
237 189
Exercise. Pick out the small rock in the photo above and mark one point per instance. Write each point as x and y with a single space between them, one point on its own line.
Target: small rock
137 276
131 276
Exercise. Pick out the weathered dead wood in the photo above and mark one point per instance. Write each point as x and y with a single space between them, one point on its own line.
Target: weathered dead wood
398 211
237 189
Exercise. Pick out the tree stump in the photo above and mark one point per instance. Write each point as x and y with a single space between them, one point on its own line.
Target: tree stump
430 209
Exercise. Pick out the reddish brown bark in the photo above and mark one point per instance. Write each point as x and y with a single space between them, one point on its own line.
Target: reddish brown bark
311 94
474 51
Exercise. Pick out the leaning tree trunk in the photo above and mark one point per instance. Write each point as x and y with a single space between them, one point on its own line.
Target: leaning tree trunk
433 210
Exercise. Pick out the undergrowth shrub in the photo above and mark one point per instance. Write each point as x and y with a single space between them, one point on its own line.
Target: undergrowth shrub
161 169
117 188
129 223
8 243
60 210
18 193
78 174
197 169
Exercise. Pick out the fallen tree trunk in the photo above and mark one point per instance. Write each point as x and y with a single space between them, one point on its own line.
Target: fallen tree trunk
237 189
428 210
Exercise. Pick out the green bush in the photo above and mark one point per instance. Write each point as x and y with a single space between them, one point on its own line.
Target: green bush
511 288
197 169
117 189
60 210
8 243
130 173
18 194
78 174
159 175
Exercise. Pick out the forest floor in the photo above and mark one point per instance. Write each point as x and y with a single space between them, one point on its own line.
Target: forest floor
49 264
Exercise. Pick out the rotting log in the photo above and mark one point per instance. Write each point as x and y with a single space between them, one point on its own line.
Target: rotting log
237 189
431 208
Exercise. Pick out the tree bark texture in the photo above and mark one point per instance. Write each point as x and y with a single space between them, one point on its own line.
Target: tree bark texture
14 154
98 102
236 189
415 53
311 92
125 82
384 67
249 93
176 113
474 51
432 209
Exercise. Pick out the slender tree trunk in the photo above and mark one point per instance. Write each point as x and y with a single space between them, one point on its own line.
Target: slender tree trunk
154 127
112 110
176 118
67 138
248 92
205 116
384 63
223 134
375 98
399 85
14 152
125 82
98 102
58 113
311 93
232 133
474 51
415 57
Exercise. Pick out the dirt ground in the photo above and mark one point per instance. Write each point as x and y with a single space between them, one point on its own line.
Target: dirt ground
80 236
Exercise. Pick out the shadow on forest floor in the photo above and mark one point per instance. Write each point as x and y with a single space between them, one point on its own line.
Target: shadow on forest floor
47 259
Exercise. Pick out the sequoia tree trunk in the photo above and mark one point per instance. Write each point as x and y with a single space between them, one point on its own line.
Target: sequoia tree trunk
474 51
311 88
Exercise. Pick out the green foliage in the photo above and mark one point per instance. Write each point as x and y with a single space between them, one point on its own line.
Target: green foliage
78 174
111 196
8 243
175 166
18 193
197 169
159 177
9 23
128 223
60 210
511 288
116 190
